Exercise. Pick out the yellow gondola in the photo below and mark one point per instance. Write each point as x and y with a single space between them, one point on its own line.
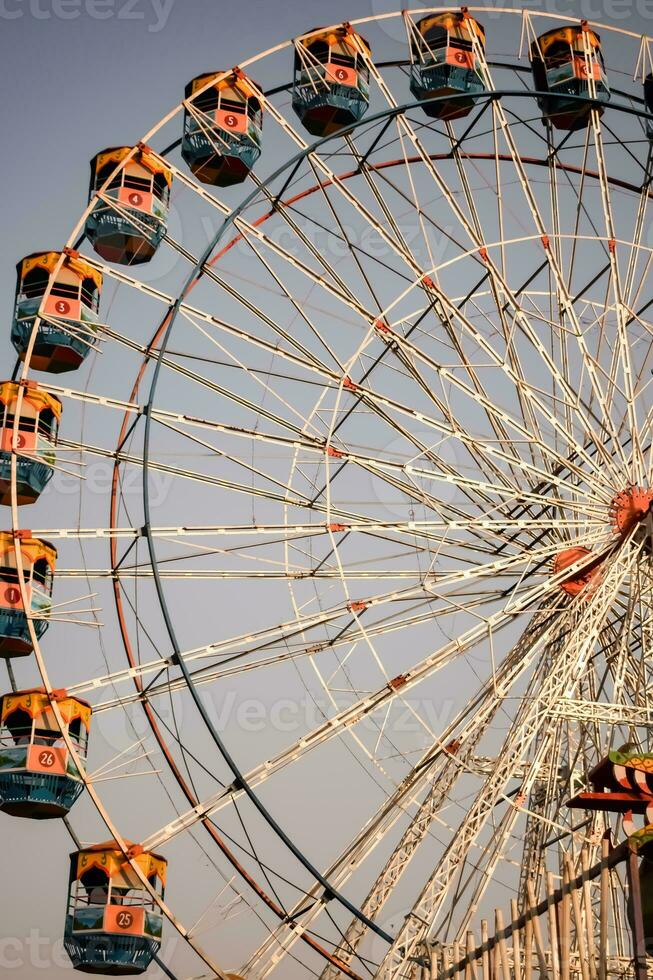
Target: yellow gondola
38 424
444 65
222 128
38 778
39 561
567 63
67 317
113 925
331 80
130 219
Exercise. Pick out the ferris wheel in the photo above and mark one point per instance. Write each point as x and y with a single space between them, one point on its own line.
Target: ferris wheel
331 426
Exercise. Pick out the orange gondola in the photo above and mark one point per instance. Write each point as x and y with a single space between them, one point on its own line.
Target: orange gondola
38 778
444 63
130 218
33 443
113 925
222 128
17 601
567 63
68 314
331 80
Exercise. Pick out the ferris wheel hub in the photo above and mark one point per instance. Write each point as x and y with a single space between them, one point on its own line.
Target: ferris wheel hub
629 507
579 579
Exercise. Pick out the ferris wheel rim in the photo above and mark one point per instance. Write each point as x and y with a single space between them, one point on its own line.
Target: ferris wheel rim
166 333
194 275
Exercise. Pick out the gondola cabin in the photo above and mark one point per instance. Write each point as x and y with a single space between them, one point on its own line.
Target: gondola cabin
38 778
623 783
567 63
222 128
113 925
38 561
34 440
68 314
444 55
331 80
130 217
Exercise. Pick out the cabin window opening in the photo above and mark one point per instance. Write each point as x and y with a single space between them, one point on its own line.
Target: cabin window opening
75 729
65 289
143 184
25 423
96 883
232 105
35 282
47 423
208 101
90 294
319 50
42 573
254 109
560 53
9 573
161 188
435 37
19 725
104 173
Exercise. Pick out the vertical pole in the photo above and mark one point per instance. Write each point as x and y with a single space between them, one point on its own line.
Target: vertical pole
589 913
605 898
635 915
471 946
553 928
537 931
578 920
564 911
486 956
516 941
528 950
434 962
499 926
446 962
468 965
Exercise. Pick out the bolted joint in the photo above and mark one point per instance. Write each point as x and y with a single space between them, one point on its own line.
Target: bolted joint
397 682
357 607
335 453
